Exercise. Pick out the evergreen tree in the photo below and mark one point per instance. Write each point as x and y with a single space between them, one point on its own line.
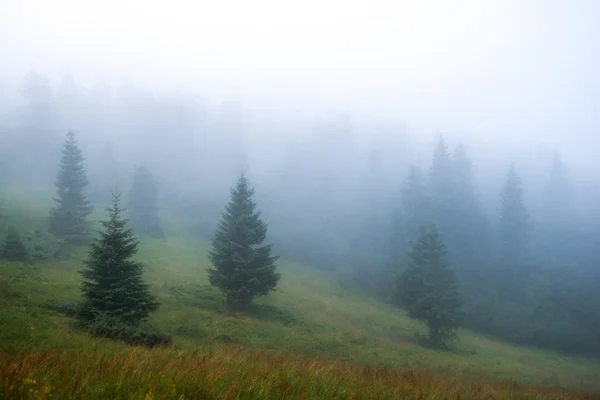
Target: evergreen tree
67 219
113 285
243 268
441 181
442 191
143 204
429 289
469 241
13 248
470 233
558 213
413 213
514 222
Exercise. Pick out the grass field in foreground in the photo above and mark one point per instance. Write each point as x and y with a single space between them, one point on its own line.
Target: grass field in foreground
309 339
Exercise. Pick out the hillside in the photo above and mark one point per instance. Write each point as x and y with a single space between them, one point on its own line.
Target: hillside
309 339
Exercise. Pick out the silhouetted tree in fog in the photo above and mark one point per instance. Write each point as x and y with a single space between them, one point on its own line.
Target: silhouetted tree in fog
143 203
413 213
67 219
558 217
116 299
242 267
13 248
514 222
429 288
442 191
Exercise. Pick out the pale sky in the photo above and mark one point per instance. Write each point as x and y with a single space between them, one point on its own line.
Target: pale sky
481 67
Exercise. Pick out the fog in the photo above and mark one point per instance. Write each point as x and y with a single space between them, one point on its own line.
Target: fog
325 106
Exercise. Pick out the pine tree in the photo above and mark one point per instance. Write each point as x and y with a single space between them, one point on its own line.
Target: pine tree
514 222
13 248
441 180
415 203
429 288
413 213
243 268
143 206
67 219
113 285
558 216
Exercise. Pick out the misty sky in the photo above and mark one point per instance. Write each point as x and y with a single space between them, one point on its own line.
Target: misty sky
489 69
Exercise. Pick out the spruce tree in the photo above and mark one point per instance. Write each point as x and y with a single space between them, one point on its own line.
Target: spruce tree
469 237
414 212
143 203
13 248
243 268
558 222
441 181
113 285
67 219
514 222
429 288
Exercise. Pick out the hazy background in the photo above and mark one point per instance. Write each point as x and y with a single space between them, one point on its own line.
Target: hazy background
326 104
504 70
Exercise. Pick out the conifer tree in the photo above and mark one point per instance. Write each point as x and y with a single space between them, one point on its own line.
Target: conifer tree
113 285
415 203
243 268
413 213
514 222
143 204
441 181
13 248
429 288
558 213
67 219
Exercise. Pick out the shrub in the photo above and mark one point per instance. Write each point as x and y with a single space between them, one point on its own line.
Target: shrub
140 333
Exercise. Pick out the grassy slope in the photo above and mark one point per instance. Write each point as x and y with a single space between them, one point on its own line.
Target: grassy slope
308 316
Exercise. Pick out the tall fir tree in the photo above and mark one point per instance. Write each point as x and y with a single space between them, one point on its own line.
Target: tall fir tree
13 248
67 219
243 268
143 203
442 192
514 222
470 239
414 212
429 288
112 279
558 213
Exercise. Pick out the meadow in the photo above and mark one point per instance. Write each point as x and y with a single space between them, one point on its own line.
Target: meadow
310 339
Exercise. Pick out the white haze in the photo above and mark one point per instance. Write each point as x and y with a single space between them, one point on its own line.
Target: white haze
517 75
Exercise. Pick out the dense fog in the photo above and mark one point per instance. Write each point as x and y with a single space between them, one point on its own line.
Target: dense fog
356 124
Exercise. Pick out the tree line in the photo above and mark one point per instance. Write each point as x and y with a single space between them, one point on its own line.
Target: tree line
525 255
116 300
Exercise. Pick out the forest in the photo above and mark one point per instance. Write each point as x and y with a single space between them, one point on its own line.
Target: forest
520 237
312 200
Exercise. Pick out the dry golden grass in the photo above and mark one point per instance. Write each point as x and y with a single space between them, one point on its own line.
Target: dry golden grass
230 372
308 340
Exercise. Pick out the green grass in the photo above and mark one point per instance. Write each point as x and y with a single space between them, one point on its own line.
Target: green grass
308 316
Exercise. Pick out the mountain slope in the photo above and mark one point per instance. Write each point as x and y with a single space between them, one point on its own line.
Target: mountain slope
308 317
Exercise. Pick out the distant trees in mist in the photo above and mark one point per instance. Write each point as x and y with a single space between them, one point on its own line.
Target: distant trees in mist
337 196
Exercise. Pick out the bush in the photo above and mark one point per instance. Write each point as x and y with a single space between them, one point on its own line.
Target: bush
68 308
13 248
141 333
43 246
